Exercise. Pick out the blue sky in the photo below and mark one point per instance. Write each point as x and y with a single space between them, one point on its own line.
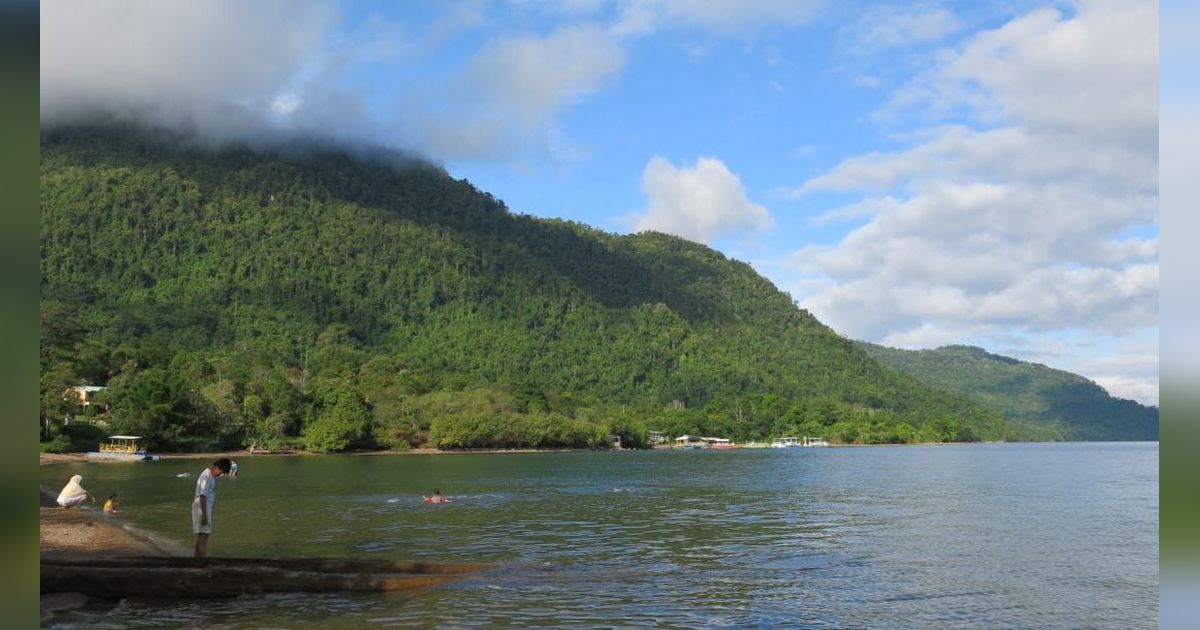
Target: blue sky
916 174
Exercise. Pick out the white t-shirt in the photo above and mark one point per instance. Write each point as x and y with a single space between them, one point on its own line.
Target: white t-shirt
206 486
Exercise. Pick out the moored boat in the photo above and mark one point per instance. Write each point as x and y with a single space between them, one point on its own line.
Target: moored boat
122 448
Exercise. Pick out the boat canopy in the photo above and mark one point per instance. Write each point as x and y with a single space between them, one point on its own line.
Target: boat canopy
124 437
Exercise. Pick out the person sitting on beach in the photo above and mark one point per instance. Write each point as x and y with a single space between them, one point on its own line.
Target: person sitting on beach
73 494
437 497
110 504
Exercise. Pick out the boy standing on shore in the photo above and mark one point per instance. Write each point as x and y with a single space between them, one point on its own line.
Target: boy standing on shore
202 503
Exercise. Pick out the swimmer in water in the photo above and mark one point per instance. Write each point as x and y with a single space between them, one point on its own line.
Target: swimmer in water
437 497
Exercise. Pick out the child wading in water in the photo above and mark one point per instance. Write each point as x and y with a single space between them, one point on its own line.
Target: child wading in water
437 497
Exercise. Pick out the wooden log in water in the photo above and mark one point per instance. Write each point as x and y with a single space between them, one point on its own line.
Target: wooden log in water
324 565
228 577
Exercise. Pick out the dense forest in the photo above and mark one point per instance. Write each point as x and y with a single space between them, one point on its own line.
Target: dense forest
1070 406
307 296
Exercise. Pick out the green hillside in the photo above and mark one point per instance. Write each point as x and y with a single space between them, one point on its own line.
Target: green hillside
1066 403
343 300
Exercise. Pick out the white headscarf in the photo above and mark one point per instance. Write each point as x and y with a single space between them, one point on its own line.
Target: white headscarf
72 489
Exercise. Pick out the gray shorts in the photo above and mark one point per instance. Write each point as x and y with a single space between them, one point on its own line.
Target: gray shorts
197 528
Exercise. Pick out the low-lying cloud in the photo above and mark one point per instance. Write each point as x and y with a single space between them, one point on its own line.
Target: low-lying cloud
270 69
211 66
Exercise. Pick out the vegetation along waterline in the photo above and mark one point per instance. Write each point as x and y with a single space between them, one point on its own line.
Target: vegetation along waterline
307 297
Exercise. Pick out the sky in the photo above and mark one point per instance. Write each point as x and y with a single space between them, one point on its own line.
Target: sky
915 174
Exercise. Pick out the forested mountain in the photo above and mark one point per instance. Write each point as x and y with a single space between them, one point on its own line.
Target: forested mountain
1067 404
342 300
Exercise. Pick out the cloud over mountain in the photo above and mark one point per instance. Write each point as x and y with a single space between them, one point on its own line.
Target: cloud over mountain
700 203
215 66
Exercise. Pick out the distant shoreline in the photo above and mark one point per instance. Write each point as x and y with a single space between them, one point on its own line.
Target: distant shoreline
66 458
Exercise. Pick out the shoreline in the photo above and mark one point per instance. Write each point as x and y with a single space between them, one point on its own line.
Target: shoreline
87 532
67 458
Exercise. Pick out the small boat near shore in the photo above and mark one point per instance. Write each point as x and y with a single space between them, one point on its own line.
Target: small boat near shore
807 442
176 577
122 448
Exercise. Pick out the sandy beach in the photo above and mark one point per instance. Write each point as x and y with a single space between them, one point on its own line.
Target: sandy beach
87 532
84 533
79 533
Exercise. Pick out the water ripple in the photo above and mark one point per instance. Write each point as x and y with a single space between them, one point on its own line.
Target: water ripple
1053 536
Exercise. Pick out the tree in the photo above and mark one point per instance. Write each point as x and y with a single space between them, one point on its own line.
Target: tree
343 419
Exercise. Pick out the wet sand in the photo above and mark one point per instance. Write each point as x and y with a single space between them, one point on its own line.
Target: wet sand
77 533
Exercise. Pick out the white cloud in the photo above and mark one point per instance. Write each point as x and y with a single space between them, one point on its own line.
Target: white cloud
1094 74
866 81
215 65
700 203
1005 154
505 102
1126 367
1131 374
885 27
642 17
1027 207
235 70
1142 390
532 76
228 69
1180 137
460 18
562 7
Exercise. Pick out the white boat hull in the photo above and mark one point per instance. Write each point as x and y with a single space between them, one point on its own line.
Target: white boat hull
123 457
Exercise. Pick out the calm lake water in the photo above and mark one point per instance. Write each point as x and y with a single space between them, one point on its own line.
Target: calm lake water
994 535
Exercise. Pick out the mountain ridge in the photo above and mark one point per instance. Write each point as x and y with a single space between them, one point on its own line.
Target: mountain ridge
1070 404
310 295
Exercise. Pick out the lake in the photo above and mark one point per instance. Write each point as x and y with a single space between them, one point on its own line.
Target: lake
995 535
